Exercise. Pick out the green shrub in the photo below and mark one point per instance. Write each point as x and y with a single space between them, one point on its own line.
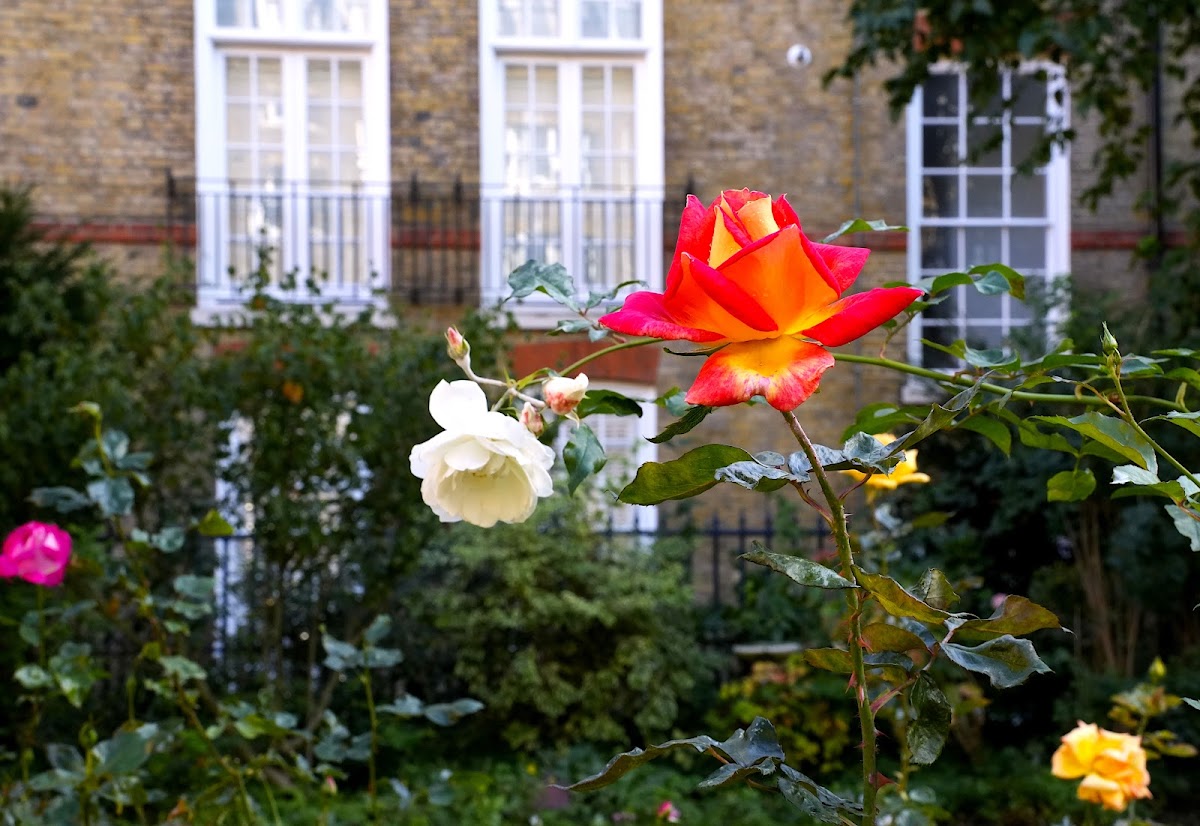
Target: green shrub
564 635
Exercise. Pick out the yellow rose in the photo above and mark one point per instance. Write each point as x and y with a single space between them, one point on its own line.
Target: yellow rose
902 474
1112 765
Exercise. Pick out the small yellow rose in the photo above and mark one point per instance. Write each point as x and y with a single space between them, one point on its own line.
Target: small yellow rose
902 474
1112 765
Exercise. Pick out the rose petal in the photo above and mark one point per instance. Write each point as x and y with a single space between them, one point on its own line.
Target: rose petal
695 236
858 314
726 294
454 405
777 274
844 263
645 314
784 370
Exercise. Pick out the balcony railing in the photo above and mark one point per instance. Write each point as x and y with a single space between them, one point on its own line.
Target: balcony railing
424 243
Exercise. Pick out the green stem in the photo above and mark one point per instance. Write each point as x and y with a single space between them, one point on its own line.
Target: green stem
271 801
854 600
1127 415
371 785
1000 390
624 345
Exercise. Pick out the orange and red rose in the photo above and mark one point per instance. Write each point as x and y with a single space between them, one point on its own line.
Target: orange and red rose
745 277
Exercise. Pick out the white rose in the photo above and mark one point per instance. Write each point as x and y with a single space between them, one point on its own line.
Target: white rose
563 394
486 467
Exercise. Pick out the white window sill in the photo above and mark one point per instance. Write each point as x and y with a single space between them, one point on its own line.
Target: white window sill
209 313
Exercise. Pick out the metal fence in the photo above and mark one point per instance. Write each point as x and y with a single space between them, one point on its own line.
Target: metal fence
427 243
266 619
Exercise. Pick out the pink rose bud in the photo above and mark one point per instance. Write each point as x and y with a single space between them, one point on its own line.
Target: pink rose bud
330 784
456 346
563 394
668 812
36 552
532 419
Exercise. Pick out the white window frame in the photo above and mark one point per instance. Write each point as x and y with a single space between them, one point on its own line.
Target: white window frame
569 53
1057 220
217 296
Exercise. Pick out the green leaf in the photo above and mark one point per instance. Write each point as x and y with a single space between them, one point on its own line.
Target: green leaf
199 588
999 278
596 298
1187 522
990 359
814 800
686 424
946 281
675 401
213 524
115 444
257 725
1132 474
626 762
1070 485
123 754
755 751
1007 661
881 636
897 601
928 731
940 417
1193 703
378 629
405 706
1030 436
1112 433
550 279
447 714
381 657
797 568
994 431
830 659
65 758
583 456
692 473
113 495
1017 616
753 475
182 668
935 590
62 499
610 402
859 225
340 656
1188 421
168 540
33 677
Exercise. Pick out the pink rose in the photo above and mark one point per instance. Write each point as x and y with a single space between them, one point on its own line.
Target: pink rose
36 552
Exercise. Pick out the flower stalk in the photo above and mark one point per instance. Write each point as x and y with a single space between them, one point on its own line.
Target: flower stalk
854 600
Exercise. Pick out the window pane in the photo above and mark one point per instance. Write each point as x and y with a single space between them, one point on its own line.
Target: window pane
945 309
543 18
1028 196
594 132
320 80
622 172
941 96
985 196
270 123
320 125
938 250
593 86
350 86
1027 248
983 245
239 166
510 17
985 336
622 132
939 196
516 86
336 16
982 307
628 15
270 77
1025 140
545 92
622 86
237 122
941 146
250 14
1029 97
237 76
593 18
350 126
984 145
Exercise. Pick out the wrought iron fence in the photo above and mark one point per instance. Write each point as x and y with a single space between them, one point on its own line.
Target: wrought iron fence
266 618
426 243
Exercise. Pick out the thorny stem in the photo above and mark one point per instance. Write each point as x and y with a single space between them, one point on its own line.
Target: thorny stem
1020 395
841 535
